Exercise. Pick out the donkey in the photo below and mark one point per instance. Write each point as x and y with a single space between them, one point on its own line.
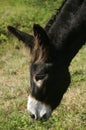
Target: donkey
52 49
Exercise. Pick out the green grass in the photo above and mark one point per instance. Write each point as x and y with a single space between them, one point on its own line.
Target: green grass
14 72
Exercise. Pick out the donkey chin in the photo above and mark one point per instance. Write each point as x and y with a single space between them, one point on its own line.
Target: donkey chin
38 110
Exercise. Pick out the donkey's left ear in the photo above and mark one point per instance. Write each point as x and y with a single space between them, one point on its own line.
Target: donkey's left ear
40 34
27 39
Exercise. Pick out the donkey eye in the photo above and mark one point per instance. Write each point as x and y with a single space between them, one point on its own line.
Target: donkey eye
39 77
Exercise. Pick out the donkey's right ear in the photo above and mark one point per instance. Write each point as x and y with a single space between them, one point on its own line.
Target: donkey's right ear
27 39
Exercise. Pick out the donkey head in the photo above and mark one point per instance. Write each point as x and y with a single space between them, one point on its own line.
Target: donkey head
49 75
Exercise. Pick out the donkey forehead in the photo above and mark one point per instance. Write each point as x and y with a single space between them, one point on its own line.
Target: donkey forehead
41 67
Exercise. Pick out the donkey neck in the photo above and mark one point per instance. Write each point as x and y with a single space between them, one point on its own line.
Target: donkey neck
68 31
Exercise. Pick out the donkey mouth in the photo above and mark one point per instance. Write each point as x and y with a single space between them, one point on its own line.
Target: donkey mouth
38 110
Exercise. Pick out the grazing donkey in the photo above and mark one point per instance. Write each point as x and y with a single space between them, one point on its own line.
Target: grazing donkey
52 49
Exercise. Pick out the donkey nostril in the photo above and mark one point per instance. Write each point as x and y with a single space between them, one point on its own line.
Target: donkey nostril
44 117
32 116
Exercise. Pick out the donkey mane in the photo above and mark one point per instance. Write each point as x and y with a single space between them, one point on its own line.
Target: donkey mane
40 52
70 22
53 18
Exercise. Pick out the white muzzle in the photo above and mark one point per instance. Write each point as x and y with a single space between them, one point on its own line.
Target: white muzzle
37 109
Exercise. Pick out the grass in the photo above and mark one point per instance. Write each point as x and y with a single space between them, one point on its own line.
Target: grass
14 72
